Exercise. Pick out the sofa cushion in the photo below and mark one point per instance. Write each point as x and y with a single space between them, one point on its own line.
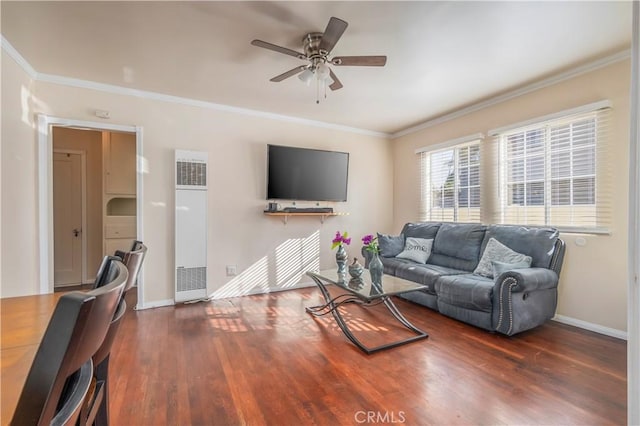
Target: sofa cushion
426 230
467 291
457 246
391 264
496 251
390 245
416 249
460 240
426 275
539 243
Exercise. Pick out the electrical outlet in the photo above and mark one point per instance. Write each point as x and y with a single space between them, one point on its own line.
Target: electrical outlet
231 270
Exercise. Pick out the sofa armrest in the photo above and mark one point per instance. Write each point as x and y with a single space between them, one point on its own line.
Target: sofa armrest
528 279
523 299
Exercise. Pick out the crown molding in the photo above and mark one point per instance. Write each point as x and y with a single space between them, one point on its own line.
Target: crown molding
574 72
120 90
16 56
144 94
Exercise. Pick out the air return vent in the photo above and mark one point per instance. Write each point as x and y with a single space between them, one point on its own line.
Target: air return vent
191 225
191 173
188 279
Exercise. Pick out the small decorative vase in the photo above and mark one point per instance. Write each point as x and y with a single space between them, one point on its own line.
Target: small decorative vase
341 260
355 269
376 269
356 283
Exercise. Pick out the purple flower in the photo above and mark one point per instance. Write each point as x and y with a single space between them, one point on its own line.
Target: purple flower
337 239
340 239
367 239
370 243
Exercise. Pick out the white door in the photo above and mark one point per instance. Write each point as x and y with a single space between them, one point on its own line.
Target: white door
67 219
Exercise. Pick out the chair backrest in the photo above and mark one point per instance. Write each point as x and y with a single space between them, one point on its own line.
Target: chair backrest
105 347
76 389
106 272
76 330
133 259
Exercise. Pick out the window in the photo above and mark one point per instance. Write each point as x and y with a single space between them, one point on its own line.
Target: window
450 182
552 172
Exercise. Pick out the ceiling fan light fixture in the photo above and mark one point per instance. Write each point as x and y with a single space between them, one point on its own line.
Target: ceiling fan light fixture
306 76
323 71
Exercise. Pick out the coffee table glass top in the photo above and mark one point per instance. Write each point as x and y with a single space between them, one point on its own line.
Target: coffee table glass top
363 287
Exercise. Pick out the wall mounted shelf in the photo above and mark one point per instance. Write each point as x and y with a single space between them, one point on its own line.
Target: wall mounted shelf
285 215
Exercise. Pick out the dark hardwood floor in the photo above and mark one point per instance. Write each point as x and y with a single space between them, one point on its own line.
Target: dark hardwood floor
261 360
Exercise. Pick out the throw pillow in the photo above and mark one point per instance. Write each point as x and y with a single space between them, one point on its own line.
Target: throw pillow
496 251
500 267
390 245
416 249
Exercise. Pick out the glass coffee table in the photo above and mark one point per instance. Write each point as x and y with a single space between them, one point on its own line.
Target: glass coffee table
365 294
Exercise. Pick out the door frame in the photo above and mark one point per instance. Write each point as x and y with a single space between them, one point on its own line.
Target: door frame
45 191
83 203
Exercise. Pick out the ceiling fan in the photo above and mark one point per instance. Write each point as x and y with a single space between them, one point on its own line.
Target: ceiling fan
317 47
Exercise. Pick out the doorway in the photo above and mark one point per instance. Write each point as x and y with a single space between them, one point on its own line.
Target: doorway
47 125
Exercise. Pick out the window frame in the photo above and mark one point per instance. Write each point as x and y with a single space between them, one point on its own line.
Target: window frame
425 168
598 155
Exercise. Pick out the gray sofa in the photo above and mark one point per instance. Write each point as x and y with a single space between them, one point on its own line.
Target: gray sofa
513 301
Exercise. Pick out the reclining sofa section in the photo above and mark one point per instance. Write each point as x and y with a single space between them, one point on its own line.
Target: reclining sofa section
515 300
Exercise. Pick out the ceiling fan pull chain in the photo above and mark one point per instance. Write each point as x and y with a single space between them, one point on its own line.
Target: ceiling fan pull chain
317 91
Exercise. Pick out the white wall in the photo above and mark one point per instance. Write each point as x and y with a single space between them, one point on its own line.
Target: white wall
239 234
19 180
593 283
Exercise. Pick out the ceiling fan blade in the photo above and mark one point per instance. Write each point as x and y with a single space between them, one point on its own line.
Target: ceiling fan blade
278 49
288 74
336 83
332 34
365 61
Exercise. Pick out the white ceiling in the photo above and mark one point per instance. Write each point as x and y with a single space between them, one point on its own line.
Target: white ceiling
441 55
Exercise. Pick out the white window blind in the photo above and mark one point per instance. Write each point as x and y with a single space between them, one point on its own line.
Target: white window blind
554 172
450 183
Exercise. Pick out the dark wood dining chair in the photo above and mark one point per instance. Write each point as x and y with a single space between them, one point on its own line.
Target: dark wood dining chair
75 332
133 261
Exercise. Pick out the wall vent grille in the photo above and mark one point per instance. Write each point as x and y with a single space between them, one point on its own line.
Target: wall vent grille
188 279
191 173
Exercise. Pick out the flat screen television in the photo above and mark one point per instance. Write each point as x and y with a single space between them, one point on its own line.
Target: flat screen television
306 174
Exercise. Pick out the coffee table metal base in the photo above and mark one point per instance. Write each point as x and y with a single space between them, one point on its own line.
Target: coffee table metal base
331 307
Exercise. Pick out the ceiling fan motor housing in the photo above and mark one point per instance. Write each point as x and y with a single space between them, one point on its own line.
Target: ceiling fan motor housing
311 45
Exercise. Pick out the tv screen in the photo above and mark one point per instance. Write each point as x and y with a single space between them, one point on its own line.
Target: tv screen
306 174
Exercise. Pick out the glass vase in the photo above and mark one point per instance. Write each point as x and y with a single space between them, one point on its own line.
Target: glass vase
376 269
341 260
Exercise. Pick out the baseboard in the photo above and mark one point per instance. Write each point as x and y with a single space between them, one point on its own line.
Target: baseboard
591 327
154 304
305 284
171 302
